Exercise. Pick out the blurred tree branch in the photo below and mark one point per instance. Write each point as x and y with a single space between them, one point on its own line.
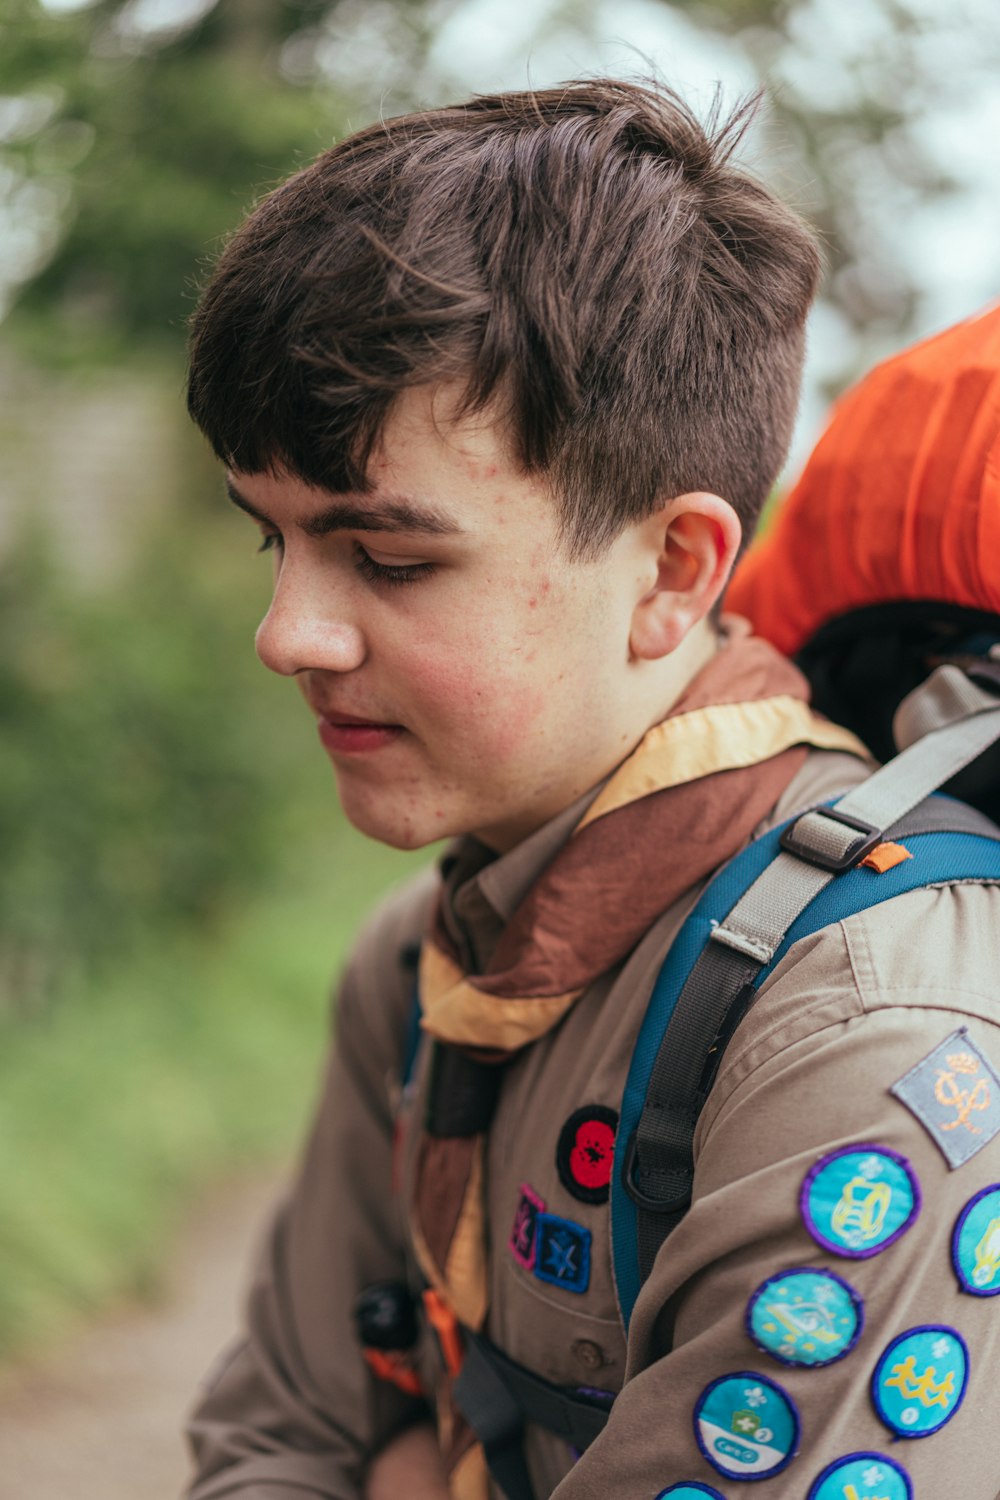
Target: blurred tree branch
128 150
851 90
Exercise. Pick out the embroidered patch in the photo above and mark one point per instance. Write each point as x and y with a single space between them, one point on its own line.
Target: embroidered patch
955 1094
746 1426
919 1383
562 1252
690 1492
586 1152
862 1476
975 1244
805 1317
859 1200
523 1233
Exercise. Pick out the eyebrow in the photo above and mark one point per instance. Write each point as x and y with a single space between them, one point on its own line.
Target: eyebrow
393 513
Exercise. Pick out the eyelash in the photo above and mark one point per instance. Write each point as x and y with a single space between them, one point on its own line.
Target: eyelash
377 572
374 572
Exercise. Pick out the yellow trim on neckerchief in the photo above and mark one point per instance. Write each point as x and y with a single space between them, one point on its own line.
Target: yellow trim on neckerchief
723 737
456 1011
469 1480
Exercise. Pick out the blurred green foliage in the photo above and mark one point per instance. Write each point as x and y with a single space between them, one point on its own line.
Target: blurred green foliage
135 148
136 788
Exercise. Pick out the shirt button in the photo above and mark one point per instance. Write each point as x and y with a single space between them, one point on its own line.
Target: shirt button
589 1354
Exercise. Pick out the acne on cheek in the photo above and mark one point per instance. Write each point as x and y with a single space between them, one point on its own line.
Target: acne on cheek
542 591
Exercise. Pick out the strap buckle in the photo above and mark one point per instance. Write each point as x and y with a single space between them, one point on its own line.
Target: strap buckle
815 843
673 1202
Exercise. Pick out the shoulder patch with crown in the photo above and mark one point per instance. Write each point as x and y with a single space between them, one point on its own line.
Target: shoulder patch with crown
955 1094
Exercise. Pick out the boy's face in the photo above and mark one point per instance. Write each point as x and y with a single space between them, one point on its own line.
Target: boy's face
466 674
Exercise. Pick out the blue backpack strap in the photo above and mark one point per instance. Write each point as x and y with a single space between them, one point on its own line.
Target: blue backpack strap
645 1209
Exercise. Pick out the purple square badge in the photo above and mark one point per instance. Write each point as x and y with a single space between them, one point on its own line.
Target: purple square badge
523 1235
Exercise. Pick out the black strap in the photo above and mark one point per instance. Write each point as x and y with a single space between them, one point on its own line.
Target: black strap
660 1164
718 992
497 1396
495 1416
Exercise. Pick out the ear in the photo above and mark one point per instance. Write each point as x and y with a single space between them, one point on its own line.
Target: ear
689 547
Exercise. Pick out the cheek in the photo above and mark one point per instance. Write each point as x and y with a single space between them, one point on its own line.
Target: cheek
487 700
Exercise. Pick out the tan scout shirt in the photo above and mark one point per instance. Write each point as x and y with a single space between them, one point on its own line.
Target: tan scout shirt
851 1010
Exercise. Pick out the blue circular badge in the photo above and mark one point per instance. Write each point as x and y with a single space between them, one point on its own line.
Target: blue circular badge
805 1317
919 1383
862 1474
690 1492
858 1201
975 1244
746 1426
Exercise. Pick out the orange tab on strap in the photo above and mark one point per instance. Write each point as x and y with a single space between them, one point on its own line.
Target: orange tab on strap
389 1364
885 857
445 1325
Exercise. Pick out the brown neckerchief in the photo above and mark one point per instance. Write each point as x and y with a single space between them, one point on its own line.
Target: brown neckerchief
688 797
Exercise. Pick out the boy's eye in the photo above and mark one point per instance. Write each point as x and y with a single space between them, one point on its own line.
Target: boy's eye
269 540
390 573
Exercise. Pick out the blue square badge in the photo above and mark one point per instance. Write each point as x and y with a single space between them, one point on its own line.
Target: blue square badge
955 1094
562 1254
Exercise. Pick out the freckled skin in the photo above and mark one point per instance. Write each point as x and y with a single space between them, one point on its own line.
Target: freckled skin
496 739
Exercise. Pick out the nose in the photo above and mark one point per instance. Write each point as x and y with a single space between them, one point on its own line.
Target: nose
303 631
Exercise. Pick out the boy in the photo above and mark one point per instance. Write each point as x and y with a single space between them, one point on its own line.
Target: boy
504 387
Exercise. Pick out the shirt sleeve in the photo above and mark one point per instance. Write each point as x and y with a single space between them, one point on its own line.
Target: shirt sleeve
294 1413
826 1301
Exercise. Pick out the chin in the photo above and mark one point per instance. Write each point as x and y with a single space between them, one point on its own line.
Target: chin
405 830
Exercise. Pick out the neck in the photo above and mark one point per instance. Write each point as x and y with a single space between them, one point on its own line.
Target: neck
659 685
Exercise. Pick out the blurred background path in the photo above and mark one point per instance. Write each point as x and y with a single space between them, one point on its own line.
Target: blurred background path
101 1421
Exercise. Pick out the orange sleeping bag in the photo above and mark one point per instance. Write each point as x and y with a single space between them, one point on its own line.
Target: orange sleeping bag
884 560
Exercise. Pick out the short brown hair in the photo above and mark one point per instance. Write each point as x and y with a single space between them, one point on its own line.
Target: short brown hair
589 256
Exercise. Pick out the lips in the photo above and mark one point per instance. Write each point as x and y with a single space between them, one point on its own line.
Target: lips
348 734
